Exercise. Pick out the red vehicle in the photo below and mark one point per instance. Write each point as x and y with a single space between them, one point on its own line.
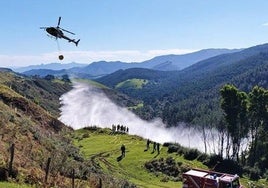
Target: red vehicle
197 178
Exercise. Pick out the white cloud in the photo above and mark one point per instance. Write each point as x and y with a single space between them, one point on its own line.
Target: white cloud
265 24
86 56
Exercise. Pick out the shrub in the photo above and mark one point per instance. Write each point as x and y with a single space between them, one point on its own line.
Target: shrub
213 160
85 135
203 157
191 154
172 148
176 148
253 173
229 166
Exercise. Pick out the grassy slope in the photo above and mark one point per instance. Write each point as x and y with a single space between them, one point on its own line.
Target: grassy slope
44 93
132 83
30 128
104 149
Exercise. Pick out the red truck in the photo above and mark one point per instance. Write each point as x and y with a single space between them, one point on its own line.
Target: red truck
197 178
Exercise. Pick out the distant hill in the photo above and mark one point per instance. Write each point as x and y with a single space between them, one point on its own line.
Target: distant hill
101 68
45 72
51 66
163 63
179 62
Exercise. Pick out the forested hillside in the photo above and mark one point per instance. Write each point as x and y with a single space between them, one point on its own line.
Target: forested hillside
189 94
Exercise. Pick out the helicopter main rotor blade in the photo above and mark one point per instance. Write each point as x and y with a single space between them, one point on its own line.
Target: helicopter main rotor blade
68 31
59 21
43 27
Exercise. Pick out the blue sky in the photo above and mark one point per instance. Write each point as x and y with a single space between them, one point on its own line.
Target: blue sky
127 30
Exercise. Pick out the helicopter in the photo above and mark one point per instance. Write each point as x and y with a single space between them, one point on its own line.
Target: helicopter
57 32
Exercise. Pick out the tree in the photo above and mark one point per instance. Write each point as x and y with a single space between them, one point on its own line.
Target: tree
66 78
258 113
49 77
234 105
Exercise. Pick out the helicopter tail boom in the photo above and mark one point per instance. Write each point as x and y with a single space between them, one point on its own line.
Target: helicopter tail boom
75 42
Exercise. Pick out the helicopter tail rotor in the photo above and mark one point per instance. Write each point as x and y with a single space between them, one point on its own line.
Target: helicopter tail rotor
76 43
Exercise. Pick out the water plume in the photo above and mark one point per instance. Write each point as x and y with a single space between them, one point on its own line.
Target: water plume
86 105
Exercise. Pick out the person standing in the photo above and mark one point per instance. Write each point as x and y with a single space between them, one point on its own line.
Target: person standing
148 144
123 150
154 147
158 148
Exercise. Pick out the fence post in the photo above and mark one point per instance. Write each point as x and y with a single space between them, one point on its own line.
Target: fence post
47 169
12 151
73 172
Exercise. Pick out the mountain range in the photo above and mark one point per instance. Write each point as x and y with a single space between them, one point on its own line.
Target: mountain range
101 68
50 66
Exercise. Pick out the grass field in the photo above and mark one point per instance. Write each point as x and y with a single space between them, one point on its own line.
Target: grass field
132 83
104 148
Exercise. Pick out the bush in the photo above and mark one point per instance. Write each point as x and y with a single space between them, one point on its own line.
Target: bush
167 144
253 173
172 148
191 154
203 157
176 148
213 160
168 167
229 166
85 135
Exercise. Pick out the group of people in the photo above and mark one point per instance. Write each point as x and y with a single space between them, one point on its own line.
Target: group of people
124 129
120 128
156 146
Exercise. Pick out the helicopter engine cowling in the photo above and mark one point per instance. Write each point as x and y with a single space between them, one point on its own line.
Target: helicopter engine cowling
54 32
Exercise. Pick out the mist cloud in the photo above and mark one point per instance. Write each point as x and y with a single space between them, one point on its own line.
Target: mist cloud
85 106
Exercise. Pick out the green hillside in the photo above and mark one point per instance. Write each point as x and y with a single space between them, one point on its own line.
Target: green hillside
35 134
43 92
102 148
132 84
